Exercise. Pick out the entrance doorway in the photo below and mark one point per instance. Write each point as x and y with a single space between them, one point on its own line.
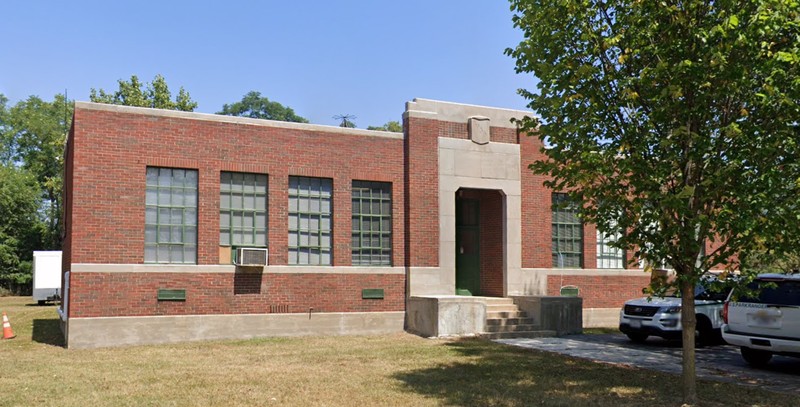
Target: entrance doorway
468 243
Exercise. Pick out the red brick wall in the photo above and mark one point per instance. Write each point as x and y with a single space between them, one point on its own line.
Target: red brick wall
536 208
504 135
66 202
589 246
135 294
422 191
537 215
492 251
112 151
461 131
601 291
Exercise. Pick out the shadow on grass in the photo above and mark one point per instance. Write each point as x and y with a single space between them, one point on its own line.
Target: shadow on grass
493 374
47 331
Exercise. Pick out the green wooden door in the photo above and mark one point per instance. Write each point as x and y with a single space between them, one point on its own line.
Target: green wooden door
468 237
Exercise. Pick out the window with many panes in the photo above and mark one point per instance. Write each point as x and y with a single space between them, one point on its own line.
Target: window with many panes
372 223
170 230
567 233
242 209
310 220
609 257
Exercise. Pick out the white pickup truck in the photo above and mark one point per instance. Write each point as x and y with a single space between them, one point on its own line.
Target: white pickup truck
768 322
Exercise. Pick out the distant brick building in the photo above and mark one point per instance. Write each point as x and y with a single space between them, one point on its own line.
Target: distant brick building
159 205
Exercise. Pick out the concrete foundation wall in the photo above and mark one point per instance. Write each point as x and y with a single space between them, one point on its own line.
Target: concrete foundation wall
445 316
123 331
560 314
601 317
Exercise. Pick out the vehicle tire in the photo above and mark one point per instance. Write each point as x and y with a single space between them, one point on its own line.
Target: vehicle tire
756 357
705 335
637 337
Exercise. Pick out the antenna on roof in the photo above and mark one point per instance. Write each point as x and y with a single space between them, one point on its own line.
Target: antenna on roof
347 120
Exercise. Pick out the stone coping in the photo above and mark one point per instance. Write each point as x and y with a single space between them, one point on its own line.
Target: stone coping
234 120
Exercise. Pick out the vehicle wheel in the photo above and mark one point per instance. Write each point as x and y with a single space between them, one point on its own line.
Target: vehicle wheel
756 357
637 337
705 335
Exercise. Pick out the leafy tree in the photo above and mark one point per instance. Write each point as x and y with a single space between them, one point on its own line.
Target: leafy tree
20 229
257 107
393 126
135 93
767 262
5 143
673 123
34 132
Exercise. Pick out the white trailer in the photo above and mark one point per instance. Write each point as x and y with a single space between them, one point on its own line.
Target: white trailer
46 276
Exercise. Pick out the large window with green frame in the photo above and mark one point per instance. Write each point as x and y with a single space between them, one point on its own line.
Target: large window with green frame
242 209
310 201
372 223
170 231
567 233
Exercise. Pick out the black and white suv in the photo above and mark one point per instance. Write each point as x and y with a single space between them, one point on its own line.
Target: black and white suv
767 323
661 316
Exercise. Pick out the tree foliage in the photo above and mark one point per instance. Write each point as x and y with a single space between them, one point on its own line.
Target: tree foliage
5 151
672 123
393 126
255 106
21 229
34 131
155 95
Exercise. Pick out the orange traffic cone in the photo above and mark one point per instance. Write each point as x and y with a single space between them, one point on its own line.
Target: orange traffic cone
7 332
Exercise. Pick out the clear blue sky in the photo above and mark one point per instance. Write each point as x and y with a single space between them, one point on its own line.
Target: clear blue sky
322 58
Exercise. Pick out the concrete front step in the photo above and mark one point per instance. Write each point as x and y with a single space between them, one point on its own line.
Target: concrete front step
511 321
506 314
502 308
520 334
512 328
498 301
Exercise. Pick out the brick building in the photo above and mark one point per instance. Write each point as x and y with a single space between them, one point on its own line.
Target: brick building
167 212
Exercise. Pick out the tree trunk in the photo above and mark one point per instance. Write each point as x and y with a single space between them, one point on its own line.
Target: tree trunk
689 322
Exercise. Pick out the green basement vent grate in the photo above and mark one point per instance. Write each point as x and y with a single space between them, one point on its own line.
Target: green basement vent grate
171 295
372 294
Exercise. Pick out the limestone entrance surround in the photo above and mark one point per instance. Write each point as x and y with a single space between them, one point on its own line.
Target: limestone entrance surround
491 166
472 161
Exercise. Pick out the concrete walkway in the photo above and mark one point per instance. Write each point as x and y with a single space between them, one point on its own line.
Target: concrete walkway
721 363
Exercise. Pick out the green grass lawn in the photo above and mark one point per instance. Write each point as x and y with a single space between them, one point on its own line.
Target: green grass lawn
401 370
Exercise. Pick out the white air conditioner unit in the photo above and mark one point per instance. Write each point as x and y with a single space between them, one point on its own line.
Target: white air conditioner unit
248 256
